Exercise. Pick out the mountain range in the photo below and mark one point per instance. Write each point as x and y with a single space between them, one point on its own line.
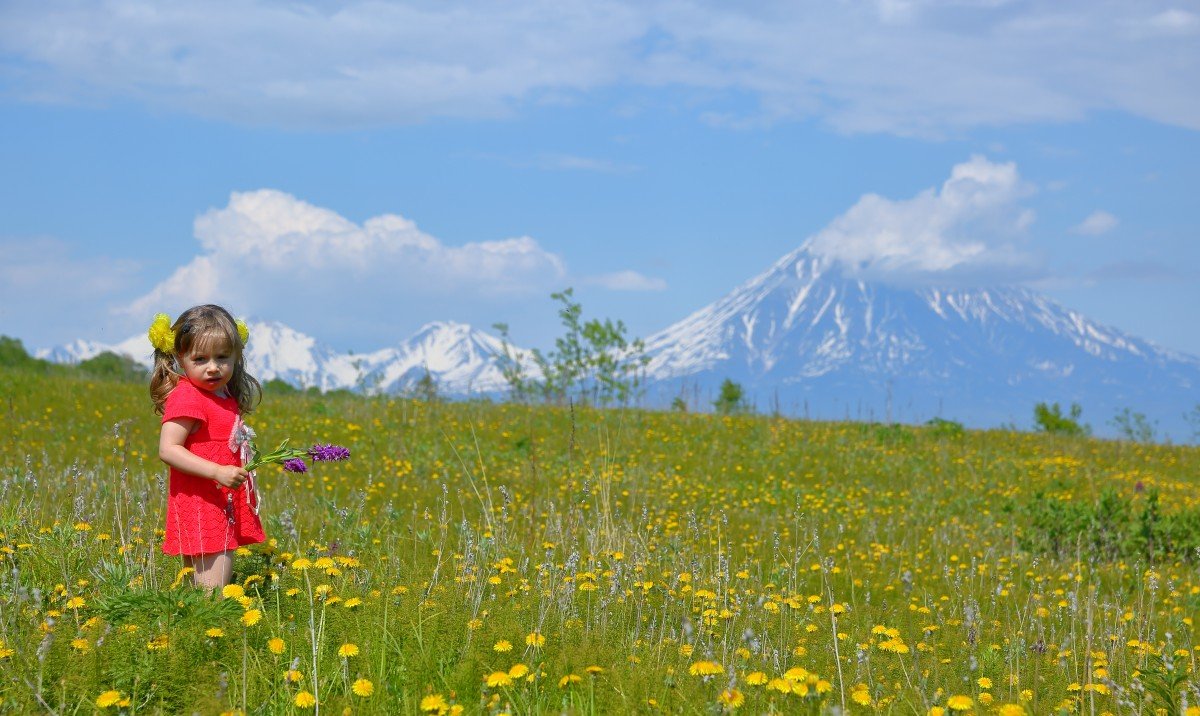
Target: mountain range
806 338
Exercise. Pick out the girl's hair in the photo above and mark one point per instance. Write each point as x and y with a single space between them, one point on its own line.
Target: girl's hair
202 326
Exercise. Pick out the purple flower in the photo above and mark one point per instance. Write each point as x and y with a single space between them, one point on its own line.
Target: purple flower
328 453
295 465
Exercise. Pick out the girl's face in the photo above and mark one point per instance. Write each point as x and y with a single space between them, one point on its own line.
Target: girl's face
209 365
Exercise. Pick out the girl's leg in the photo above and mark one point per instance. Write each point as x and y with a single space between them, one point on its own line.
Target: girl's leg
213 571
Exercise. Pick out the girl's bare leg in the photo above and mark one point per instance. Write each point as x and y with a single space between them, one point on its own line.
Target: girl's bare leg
212 571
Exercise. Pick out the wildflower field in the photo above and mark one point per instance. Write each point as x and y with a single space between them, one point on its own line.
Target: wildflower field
493 558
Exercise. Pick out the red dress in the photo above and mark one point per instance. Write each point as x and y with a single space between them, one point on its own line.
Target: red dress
202 516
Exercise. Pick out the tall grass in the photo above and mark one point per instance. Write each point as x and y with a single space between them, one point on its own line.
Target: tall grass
500 558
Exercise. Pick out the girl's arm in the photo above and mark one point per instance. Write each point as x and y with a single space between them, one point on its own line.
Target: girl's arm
172 452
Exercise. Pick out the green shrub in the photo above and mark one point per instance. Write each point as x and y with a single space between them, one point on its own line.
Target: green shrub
1050 419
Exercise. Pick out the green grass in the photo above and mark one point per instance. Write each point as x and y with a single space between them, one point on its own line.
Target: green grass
896 566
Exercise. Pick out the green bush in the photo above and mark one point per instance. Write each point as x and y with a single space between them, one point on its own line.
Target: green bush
1110 529
111 365
1050 419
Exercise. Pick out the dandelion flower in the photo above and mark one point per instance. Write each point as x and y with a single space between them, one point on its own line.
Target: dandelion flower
498 678
502 646
1011 710
108 698
569 679
75 603
984 682
305 700
706 668
214 632
756 678
518 670
275 645
250 617
434 704
593 669
731 699
959 702
363 688
535 639
233 591
348 650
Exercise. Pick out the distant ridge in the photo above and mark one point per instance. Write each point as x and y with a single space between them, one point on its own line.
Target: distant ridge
807 339
460 359
808 336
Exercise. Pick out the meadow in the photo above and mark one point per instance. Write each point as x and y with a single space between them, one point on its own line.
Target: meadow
497 558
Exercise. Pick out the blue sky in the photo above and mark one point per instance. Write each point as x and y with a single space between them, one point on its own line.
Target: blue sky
356 170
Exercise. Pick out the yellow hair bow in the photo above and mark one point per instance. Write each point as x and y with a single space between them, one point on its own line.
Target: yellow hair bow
161 335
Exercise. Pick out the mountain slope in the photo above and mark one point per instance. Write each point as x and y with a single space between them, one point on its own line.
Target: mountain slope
805 334
460 359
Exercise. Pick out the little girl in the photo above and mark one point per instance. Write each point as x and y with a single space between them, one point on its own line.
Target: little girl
200 387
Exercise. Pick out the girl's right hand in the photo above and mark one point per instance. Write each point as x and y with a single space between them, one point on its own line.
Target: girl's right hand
230 476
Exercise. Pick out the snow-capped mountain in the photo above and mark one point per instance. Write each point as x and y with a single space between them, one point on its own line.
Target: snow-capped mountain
818 341
807 339
460 359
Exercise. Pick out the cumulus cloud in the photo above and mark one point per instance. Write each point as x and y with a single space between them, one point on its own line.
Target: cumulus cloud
275 253
902 66
969 229
1096 223
627 281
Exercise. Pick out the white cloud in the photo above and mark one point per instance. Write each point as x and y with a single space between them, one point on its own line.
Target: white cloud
279 257
902 66
1098 222
626 281
971 229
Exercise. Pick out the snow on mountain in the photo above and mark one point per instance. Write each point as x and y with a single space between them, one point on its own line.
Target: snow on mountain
806 337
460 359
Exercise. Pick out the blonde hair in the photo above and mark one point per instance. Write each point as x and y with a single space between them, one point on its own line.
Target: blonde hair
197 326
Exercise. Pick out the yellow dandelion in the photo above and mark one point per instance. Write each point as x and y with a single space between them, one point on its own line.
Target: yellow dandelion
756 678
498 678
351 603
731 699
960 702
363 688
292 676
535 639
348 650
594 669
984 682
434 704
1011 710
305 700
75 603
518 670
862 697
706 668
214 632
233 591
250 617
275 645
502 646
81 645
783 686
108 698
569 679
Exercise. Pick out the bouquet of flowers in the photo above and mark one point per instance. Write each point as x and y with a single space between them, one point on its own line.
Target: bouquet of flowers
293 459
